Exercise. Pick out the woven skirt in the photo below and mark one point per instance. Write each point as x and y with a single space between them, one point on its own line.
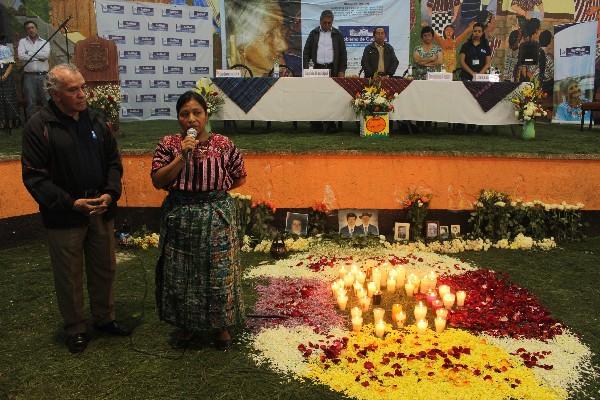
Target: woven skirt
198 274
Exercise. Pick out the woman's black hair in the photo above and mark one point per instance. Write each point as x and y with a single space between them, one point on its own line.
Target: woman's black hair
426 29
190 95
514 38
545 38
480 25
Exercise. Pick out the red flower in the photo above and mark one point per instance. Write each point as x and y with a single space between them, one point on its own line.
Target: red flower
368 365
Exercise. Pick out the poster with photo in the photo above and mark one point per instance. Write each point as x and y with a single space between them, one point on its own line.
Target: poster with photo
355 222
296 224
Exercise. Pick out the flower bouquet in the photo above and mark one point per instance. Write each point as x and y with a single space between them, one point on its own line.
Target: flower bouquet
417 205
214 100
526 101
374 103
106 98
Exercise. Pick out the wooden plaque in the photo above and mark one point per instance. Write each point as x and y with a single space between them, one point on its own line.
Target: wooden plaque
97 60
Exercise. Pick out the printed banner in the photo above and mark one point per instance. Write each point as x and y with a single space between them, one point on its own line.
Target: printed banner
163 50
574 69
357 20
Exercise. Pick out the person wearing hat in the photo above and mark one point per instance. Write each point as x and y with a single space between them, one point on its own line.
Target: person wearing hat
366 227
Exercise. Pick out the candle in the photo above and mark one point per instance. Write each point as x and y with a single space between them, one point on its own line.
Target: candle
380 329
392 274
396 308
400 319
365 302
420 311
400 276
354 269
378 313
461 295
424 285
348 279
342 300
361 292
442 313
356 312
449 300
334 288
391 285
440 324
357 324
384 274
360 277
342 272
422 326
443 289
410 288
376 277
377 298
371 289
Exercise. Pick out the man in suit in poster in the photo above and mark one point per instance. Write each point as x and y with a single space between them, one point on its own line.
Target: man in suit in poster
366 227
350 229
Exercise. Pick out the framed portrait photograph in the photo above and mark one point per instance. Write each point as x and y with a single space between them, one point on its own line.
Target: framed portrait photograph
296 224
444 232
454 231
432 230
354 223
401 231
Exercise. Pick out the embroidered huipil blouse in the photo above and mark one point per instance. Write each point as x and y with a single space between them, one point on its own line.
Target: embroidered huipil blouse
213 165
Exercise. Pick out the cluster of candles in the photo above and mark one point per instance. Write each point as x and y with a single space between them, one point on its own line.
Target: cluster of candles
392 279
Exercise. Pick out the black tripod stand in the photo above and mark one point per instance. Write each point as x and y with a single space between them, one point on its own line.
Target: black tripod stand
5 105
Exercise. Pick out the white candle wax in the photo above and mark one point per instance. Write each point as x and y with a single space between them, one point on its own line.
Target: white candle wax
420 311
354 269
400 273
342 272
342 300
461 295
400 319
441 313
410 288
357 324
384 275
440 324
376 277
391 285
356 312
449 300
443 289
365 303
380 329
378 314
360 277
371 288
348 280
422 326
396 308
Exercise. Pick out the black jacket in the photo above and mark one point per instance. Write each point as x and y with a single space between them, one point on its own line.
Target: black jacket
50 166
340 57
370 60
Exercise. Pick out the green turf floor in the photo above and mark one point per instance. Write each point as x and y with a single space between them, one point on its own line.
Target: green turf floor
34 364
555 140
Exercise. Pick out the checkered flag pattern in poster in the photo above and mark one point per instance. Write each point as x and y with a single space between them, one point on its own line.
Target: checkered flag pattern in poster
163 50
440 20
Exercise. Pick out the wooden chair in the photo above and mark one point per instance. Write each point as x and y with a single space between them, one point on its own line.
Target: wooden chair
591 107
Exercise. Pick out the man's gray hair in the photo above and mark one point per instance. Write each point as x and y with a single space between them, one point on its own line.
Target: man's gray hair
53 82
326 13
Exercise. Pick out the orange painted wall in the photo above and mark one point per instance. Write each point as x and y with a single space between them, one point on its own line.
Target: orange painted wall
362 181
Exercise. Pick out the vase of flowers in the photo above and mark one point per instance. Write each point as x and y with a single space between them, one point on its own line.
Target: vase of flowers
106 98
526 101
373 104
214 99
417 205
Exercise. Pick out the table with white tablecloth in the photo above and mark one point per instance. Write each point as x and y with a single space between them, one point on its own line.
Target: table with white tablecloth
322 99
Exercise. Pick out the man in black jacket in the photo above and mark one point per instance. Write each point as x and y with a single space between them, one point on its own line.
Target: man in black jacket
379 57
72 168
325 47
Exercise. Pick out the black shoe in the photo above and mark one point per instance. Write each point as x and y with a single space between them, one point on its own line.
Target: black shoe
77 343
113 328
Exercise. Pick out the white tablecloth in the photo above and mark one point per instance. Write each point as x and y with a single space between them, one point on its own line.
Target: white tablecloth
322 99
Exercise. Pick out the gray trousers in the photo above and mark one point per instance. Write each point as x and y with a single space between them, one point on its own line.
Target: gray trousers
34 93
69 248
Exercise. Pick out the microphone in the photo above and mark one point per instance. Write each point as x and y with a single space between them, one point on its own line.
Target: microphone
193 134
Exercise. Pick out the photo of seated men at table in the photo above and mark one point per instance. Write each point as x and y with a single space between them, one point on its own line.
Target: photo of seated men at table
296 224
355 223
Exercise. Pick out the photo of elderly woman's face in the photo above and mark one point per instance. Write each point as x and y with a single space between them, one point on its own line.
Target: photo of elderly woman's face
267 45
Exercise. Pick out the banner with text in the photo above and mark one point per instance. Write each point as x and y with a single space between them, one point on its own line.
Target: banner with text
163 50
574 69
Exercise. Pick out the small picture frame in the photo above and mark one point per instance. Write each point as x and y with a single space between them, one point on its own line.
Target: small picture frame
432 230
401 231
296 224
444 232
454 231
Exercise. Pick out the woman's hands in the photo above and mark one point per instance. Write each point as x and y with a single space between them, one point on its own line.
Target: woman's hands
188 145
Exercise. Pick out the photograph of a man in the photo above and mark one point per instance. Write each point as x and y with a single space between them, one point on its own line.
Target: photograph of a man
349 230
296 224
366 226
